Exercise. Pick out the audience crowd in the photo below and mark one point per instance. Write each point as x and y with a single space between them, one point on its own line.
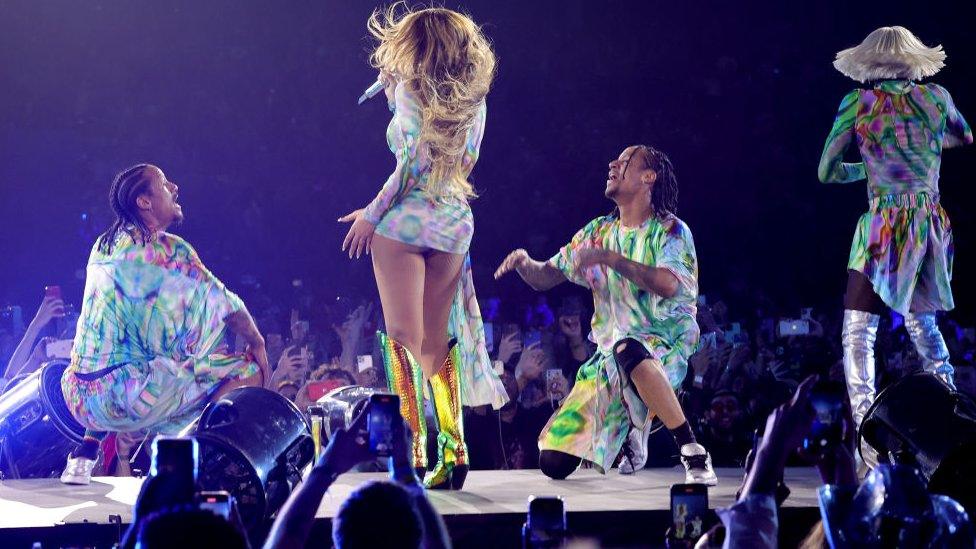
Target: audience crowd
748 373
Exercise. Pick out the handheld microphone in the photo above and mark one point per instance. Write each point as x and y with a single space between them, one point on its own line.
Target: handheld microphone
370 92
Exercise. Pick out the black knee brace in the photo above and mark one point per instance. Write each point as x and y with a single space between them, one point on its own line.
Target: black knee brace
628 353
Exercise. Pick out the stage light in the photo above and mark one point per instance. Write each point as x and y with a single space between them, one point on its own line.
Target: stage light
920 421
36 429
254 444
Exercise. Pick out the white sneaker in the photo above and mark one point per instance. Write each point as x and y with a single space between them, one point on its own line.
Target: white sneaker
78 471
698 465
635 450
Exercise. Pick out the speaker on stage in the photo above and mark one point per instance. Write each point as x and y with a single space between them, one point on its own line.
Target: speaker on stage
37 432
920 421
254 444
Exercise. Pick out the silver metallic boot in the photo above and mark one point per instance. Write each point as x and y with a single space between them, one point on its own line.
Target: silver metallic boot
858 335
925 334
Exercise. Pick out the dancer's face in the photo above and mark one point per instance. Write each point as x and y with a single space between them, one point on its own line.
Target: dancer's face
160 206
628 175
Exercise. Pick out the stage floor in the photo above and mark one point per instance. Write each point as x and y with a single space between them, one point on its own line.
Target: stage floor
42 503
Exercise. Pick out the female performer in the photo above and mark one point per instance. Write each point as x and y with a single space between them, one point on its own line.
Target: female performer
902 251
436 67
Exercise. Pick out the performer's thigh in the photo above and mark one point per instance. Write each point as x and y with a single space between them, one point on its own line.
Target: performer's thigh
860 295
399 270
440 288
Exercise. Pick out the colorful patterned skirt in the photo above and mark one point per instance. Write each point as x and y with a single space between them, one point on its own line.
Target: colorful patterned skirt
904 246
161 395
448 227
593 422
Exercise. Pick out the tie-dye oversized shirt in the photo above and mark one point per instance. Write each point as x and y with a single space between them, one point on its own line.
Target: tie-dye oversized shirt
900 128
144 302
621 309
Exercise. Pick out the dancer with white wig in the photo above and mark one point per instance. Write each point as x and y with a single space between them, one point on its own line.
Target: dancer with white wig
901 256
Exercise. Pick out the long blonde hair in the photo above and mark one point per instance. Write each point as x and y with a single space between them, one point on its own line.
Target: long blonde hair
444 58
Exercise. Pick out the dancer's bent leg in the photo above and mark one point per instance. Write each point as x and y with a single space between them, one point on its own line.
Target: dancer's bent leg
655 390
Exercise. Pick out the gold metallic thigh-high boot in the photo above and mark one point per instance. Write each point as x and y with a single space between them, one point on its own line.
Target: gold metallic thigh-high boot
452 452
925 334
858 335
405 378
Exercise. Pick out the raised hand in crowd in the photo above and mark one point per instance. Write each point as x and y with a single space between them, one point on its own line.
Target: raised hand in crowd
785 428
292 365
557 386
350 334
705 367
509 345
571 327
25 354
530 365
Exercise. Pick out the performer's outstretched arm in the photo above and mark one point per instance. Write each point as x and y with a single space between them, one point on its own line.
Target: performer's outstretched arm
540 275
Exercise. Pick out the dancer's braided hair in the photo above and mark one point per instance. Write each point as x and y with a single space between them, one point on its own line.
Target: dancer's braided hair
664 196
128 185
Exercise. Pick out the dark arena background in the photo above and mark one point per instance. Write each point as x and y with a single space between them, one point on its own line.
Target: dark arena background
250 107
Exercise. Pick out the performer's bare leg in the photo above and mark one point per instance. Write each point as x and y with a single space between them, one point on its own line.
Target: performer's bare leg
400 273
655 390
440 288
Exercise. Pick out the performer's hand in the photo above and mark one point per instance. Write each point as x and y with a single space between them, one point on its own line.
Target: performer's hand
359 239
515 260
588 257
347 447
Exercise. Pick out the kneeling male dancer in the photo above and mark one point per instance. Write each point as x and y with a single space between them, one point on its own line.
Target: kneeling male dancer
641 266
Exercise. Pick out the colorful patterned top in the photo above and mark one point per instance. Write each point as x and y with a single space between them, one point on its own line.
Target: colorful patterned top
621 309
901 129
147 302
403 210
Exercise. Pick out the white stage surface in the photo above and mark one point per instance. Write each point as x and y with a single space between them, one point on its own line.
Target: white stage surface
47 502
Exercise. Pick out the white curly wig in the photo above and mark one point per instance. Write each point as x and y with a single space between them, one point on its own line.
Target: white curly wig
890 53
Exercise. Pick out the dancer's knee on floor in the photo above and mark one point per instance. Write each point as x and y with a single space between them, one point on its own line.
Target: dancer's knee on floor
558 465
